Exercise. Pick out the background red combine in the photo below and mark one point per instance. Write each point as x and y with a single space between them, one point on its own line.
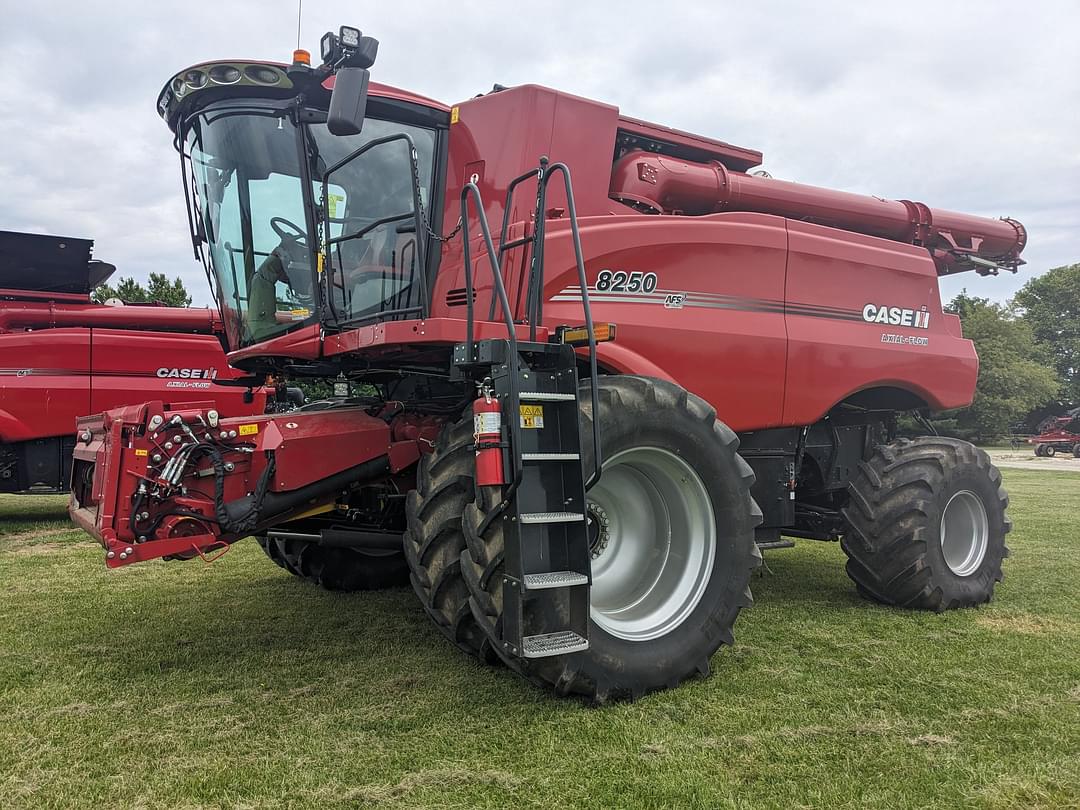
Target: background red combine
1058 435
687 363
63 356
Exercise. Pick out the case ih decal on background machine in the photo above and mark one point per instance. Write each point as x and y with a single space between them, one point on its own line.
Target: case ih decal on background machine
63 356
581 500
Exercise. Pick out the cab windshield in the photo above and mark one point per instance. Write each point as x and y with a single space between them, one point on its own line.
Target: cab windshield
249 169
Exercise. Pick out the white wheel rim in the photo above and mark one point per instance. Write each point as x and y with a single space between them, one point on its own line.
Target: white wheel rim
965 533
654 555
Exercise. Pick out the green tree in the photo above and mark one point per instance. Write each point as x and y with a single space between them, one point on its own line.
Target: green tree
1014 371
1050 304
159 289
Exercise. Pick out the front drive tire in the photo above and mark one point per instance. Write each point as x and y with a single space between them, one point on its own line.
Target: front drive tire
674 489
337 569
927 525
434 539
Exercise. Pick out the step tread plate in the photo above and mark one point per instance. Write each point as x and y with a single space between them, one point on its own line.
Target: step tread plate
554 579
550 457
552 517
545 396
549 644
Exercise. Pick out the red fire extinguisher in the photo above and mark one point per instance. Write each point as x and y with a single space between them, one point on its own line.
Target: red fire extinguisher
487 433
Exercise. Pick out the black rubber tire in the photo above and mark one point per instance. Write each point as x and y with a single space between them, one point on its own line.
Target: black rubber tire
1039 450
338 569
271 549
893 542
635 412
1049 450
1076 450
434 539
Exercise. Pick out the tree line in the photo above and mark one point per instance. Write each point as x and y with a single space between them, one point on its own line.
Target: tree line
157 290
1029 355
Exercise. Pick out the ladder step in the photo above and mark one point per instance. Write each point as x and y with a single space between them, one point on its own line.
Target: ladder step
554 579
548 644
550 457
544 396
552 517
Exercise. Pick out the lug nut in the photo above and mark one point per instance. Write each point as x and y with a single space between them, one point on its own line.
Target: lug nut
168 445
110 555
178 438
123 556
157 457
129 550
232 434
224 434
229 466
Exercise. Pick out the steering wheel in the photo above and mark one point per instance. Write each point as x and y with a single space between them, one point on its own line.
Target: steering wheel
288 230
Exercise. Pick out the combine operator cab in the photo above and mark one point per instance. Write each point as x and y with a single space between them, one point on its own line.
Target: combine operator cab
298 226
586 509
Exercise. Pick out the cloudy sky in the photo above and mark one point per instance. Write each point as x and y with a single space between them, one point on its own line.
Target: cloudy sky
973 106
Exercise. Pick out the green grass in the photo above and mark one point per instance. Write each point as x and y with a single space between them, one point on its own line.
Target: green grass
236 685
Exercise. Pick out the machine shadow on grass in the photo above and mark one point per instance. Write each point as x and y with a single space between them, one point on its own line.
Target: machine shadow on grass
19 511
806 574
270 622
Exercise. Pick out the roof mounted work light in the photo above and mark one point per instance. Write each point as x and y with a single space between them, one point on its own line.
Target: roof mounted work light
348 54
348 48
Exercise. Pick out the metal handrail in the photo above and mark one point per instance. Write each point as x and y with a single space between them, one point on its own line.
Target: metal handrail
534 296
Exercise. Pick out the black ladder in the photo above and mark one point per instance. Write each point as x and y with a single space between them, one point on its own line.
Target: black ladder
542 512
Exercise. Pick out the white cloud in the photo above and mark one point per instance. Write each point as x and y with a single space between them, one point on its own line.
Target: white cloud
973 106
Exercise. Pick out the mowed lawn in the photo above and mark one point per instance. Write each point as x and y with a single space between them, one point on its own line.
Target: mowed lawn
236 685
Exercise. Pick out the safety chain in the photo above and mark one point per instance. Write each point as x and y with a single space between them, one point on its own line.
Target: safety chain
423 213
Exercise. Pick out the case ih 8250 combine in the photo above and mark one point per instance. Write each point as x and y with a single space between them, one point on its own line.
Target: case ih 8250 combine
583 424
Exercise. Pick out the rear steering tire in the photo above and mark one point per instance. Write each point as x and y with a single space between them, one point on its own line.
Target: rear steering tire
927 525
673 547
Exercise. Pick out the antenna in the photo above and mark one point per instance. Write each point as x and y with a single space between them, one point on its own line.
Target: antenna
299 14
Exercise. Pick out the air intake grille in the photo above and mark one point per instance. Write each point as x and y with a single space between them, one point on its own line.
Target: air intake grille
456 298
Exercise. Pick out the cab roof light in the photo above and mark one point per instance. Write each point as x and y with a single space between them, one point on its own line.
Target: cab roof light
348 48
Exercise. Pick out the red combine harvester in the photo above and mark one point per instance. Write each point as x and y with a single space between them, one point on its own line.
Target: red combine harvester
62 356
584 425
1058 435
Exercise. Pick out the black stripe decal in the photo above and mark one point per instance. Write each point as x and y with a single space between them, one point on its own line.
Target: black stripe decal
714 301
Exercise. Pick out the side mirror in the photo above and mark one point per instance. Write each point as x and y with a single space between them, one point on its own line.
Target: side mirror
348 101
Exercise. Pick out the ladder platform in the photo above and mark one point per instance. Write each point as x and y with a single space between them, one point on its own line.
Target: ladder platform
552 517
545 396
549 644
550 457
554 579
